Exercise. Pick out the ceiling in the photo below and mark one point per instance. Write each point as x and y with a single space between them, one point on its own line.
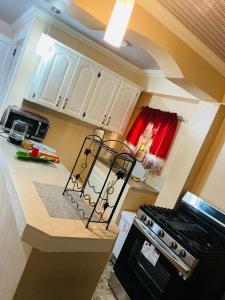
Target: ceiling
205 18
10 10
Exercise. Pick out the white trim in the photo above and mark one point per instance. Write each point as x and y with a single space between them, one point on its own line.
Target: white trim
167 19
154 73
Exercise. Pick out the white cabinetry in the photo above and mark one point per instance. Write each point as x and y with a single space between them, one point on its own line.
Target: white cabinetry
102 99
122 107
81 88
54 76
6 56
73 84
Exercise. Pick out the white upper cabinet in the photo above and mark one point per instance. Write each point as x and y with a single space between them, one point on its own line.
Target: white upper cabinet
102 99
81 88
73 84
6 56
54 76
122 107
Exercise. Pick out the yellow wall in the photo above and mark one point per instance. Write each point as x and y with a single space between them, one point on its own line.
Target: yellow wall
194 68
210 181
65 134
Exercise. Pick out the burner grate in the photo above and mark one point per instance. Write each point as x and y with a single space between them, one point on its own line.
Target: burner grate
202 242
166 214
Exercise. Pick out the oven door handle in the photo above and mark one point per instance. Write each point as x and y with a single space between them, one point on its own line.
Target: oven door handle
184 270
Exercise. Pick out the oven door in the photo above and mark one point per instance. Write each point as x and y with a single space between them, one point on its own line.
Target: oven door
146 267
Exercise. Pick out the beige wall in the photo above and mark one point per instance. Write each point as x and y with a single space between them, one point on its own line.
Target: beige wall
194 138
210 181
65 134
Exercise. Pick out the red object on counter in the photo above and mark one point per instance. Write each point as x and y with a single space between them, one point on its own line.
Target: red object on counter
34 152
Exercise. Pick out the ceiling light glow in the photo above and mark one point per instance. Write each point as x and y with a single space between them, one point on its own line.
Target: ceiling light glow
118 22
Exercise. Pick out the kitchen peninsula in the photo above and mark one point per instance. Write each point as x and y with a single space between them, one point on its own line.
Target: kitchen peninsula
44 257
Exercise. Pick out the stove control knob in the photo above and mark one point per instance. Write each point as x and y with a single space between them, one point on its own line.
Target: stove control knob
173 245
150 223
160 233
182 253
143 218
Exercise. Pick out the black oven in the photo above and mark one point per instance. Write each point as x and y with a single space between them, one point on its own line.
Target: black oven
147 276
149 270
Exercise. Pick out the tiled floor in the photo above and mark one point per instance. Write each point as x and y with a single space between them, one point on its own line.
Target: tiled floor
103 291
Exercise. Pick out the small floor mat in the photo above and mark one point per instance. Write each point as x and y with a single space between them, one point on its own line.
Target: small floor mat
60 206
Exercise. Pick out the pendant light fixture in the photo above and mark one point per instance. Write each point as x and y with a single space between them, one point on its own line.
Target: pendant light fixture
118 22
46 43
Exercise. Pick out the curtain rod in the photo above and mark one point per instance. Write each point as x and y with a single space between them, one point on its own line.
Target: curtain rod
179 117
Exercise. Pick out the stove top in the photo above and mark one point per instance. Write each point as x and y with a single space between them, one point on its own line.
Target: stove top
193 231
184 228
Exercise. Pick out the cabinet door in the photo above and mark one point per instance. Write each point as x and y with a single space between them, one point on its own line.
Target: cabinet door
122 107
6 56
54 76
81 88
102 99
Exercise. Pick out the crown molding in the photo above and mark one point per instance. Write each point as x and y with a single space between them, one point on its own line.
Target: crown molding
153 73
182 32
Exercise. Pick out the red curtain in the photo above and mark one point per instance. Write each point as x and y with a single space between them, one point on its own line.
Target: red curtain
140 124
164 128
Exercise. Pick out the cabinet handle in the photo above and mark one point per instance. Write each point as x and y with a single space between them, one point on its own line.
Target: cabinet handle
59 101
65 103
108 121
84 114
103 122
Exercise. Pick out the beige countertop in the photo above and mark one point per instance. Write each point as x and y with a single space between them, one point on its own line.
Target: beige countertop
134 185
34 224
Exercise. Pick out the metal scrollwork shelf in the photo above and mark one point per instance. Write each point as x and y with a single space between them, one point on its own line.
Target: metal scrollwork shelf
97 204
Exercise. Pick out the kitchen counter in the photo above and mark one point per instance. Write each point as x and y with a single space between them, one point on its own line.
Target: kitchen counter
31 235
134 185
35 226
141 186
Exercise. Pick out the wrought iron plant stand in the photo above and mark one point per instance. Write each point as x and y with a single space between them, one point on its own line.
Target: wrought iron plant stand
120 165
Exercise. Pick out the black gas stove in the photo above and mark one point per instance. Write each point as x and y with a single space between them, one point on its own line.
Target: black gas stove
175 253
186 227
